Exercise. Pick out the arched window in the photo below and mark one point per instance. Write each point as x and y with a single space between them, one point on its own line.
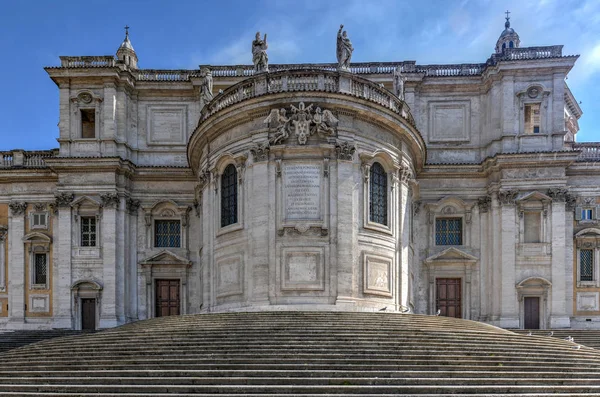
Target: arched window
511 44
378 194
503 45
229 196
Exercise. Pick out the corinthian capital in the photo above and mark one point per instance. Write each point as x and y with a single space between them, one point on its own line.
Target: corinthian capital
17 208
558 194
508 197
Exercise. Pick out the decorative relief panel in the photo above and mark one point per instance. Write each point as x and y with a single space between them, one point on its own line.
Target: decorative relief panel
377 275
302 191
230 276
167 125
449 121
302 269
587 301
38 304
301 122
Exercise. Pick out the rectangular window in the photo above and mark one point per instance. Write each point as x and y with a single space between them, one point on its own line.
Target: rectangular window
88 123
40 269
88 231
38 220
532 118
586 214
533 227
167 233
586 265
448 231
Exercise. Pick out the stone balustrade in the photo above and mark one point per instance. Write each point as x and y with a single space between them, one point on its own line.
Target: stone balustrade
88 62
307 80
590 151
164 75
26 159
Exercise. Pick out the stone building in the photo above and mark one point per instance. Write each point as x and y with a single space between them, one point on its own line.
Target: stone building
358 186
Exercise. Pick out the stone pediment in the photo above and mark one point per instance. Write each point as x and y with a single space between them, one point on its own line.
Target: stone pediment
166 257
85 201
589 232
451 255
534 196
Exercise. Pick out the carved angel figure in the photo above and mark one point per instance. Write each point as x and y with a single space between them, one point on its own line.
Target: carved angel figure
259 54
281 122
324 122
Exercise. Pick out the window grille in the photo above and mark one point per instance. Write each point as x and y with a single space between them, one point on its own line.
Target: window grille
88 231
448 231
167 233
378 195
229 196
586 265
40 269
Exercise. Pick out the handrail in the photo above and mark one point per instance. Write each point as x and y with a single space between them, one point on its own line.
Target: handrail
307 80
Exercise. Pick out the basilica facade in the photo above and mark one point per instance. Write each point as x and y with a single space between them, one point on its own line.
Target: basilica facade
452 189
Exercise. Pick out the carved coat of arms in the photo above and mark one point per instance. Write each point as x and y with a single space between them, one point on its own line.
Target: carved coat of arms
302 121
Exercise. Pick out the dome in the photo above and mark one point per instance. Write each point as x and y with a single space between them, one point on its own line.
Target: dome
126 53
508 38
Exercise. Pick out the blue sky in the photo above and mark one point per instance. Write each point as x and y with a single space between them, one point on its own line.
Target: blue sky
182 35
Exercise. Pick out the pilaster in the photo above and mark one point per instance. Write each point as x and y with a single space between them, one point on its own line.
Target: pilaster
509 316
16 270
560 268
62 266
260 244
110 308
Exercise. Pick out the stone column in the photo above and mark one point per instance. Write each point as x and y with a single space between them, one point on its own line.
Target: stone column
509 316
16 269
495 258
557 104
485 259
62 278
260 245
560 264
111 307
344 220
404 236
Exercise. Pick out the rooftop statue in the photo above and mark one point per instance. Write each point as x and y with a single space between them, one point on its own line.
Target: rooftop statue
206 87
344 50
399 80
259 54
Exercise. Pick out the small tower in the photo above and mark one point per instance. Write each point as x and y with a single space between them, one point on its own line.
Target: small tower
126 53
508 38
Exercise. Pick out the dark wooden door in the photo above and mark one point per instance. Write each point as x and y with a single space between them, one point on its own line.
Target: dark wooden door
88 313
167 298
532 312
448 297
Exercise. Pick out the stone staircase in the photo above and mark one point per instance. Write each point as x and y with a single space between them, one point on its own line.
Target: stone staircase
301 354
12 339
587 337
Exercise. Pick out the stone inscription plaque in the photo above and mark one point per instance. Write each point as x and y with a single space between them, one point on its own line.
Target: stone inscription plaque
302 191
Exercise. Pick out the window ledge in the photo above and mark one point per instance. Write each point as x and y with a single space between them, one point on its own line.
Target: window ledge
229 229
39 286
587 284
379 228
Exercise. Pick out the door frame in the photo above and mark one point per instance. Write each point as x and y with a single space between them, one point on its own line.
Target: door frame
84 289
539 300
461 297
154 295
95 310
534 287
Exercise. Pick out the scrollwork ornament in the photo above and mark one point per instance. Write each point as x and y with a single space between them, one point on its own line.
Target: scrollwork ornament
132 205
416 207
63 199
3 233
197 207
406 174
110 200
344 150
558 194
260 152
17 208
508 197
39 207
484 203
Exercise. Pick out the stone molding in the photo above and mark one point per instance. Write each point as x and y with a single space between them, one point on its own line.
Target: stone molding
17 208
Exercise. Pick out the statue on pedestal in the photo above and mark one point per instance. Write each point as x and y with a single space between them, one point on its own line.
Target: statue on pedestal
344 50
259 54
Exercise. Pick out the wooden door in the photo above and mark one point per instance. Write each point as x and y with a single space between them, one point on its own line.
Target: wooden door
88 313
532 312
449 297
167 298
